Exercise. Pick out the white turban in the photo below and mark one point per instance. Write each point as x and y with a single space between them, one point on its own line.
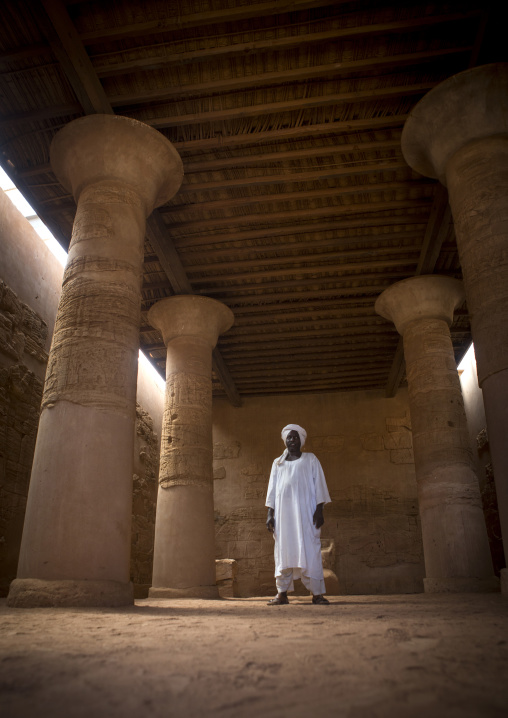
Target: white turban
285 431
294 427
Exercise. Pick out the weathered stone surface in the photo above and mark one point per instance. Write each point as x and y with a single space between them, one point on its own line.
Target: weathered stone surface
402 456
458 133
482 440
90 386
184 551
226 568
372 442
146 465
226 451
453 526
398 440
21 332
29 593
326 443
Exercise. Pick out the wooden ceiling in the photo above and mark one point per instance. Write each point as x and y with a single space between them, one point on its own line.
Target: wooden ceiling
297 208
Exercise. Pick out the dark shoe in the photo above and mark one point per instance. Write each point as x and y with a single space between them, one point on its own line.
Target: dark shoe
320 600
278 601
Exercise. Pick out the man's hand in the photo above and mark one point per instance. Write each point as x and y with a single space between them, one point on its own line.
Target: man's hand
270 521
318 519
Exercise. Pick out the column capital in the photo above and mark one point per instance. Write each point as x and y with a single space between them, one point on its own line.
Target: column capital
191 315
99 148
471 105
429 296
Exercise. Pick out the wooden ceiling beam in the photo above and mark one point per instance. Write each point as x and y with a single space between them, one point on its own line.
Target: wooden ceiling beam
302 271
311 387
175 119
292 251
272 318
190 243
298 214
292 177
279 77
323 358
224 50
243 160
73 57
222 141
257 380
278 336
25 52
353 360
303 326
281 155
283 295
327 344
212 17
375 242
277 197
301 283
338 253
282 309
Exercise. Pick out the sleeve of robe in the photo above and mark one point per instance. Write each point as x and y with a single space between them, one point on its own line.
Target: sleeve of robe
322 495
270 495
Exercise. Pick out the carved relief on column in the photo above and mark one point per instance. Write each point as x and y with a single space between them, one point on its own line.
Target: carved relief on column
184 552
76 540
458 133
456 551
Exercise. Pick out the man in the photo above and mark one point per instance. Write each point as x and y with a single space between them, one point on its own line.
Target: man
296 495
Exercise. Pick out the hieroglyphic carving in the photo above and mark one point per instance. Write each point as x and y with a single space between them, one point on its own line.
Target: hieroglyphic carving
398 440
402 456
92 223
231 450
110 192
93 357
186 445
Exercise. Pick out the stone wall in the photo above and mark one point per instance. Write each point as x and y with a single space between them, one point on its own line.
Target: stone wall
23 336
145 484
364 444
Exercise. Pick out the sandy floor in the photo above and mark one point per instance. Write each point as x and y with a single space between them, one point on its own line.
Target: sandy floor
372 656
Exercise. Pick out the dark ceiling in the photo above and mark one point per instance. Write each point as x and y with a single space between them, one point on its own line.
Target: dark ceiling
297 208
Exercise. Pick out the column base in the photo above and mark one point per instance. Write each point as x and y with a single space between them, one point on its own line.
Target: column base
191 592
461 585
504 582
34 592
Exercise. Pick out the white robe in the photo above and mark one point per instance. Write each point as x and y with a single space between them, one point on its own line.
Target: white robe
294 490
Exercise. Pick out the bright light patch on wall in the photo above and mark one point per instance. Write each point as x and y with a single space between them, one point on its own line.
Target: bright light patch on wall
27 211
56 248
469 357
152 371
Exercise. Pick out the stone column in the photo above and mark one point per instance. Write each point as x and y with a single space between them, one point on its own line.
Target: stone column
76 538
456 549
458 133
184 551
